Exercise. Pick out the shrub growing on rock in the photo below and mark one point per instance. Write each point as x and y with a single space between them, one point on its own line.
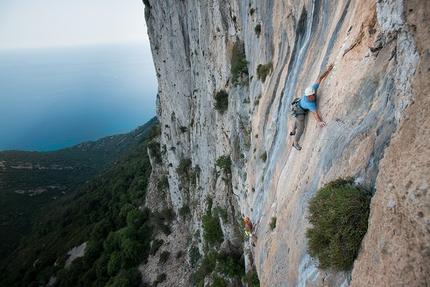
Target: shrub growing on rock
272 223
212 229
156 244
239 66
155 151
338 213
224 162
251 278
164 256
257 30
184 211
263 71
194 254
221 101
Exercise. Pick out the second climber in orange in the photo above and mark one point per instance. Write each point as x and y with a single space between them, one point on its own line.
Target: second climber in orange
249 228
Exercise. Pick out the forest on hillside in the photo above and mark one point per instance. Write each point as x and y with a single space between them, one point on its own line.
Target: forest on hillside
103 212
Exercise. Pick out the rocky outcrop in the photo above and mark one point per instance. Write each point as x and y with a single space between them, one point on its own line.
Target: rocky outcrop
374 103
396 249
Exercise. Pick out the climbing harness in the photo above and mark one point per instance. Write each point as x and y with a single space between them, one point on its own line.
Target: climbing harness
296 109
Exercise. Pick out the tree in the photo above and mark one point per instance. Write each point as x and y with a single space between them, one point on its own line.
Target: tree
136 218
132 249
114 264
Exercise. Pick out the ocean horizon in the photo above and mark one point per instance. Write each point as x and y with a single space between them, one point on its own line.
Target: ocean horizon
59 97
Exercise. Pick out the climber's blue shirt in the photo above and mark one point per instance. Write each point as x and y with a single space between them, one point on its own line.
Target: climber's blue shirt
308 105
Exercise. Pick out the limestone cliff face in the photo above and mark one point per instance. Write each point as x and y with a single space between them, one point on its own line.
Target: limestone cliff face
374 103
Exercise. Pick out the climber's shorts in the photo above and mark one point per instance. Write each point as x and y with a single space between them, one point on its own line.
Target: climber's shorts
249 234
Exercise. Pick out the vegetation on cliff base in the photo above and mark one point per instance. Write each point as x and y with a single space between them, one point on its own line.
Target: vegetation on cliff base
217 264
106 214
31 181
338 213
252 278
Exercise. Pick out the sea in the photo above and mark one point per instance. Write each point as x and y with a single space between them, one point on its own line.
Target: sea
59 97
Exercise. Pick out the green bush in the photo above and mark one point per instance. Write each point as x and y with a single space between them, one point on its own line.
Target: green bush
252 278
257 30
154 132
338 213
220 212
240 66
160 278
162 219
179 254
218 282
155 151
136 218
272 224
225 264
205 268
263 156
184 211
125 278
224 162
114 264
212 229
194 175
194 254
230 264
132 249
183 167
156 244
163 183
221 102
263 71
164 256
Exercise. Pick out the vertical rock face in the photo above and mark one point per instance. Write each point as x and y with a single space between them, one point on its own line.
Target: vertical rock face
374 102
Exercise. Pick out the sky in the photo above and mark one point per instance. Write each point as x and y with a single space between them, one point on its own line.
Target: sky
61 23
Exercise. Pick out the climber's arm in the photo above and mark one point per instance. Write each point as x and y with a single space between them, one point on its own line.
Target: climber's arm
324 74
318 118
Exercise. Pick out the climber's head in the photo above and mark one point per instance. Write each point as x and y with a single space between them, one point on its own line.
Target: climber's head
246 219
310 94
309 91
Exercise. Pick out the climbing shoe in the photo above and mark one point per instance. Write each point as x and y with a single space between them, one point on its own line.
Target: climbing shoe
297 146
292 133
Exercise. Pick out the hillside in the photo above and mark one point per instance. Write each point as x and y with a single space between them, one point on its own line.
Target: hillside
33 182
103 217
227 73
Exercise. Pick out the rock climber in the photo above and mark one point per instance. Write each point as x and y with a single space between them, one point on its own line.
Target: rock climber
249 228
307 103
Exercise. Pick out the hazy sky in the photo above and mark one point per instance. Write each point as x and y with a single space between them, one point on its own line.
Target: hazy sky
56 23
